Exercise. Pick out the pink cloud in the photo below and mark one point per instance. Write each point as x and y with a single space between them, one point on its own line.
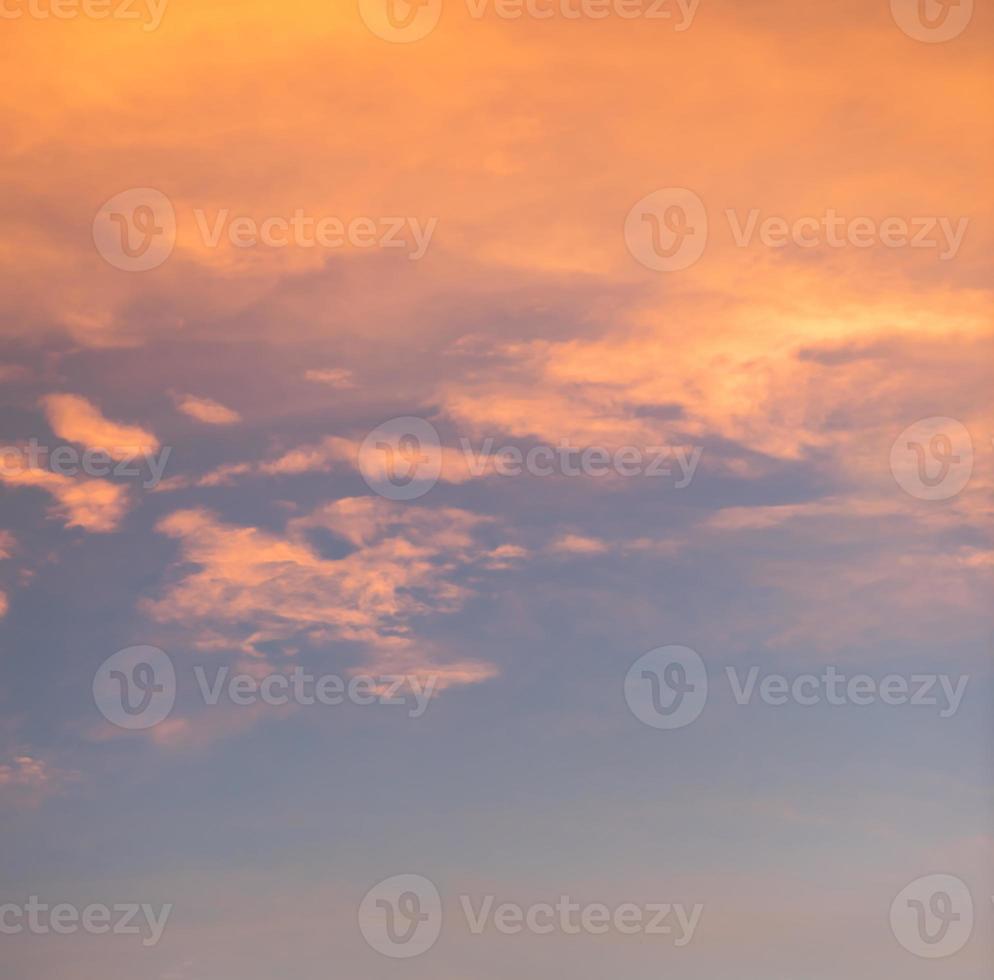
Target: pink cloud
207 410
28 781
94 505
406 563
78 420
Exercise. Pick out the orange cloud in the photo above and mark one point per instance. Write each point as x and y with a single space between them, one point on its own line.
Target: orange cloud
207 410
95 505
488 127
578 544
456 466
78 420
405 564
335 377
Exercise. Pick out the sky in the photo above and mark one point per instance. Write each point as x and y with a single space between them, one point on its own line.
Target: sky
469 459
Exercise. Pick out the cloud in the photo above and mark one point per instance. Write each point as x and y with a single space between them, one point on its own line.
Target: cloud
761 517
505 556
313 457
28 781
8 545
335 377
523 131
309 458
742 373
75 419
252 588
94 505
578 544
456 466
207 410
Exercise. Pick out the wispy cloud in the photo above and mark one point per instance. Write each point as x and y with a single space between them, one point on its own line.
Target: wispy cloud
94 505
334 377
28 781
206 410
252 588
76 419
